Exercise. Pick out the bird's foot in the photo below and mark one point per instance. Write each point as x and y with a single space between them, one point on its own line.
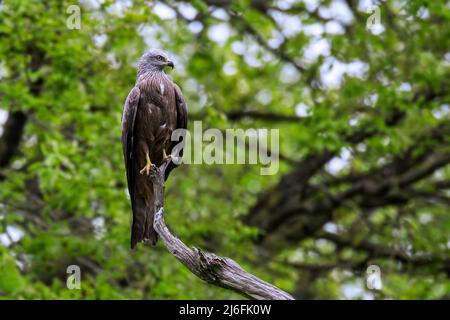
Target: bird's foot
167 158
171 157
148 165
146 170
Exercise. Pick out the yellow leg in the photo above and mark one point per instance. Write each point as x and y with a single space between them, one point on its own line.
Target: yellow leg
174 159
148 165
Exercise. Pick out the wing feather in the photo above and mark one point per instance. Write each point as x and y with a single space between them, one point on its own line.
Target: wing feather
128 120
182 119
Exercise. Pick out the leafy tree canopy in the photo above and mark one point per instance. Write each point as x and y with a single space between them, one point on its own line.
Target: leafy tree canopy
363 115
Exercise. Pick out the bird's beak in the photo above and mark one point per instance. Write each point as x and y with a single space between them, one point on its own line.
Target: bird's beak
170 64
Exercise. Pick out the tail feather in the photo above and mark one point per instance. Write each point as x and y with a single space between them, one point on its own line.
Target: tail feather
142 227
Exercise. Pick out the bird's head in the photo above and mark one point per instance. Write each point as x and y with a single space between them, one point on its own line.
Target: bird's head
154 60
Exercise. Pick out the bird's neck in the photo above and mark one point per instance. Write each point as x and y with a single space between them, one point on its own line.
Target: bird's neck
149 73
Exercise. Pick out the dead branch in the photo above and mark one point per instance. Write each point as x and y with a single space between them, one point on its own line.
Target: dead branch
220 271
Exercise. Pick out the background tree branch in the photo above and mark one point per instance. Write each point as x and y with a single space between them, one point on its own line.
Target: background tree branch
11 137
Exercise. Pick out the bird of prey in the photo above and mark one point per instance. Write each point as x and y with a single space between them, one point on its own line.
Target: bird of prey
153 109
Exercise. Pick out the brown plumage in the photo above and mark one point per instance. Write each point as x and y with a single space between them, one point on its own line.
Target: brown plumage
153 109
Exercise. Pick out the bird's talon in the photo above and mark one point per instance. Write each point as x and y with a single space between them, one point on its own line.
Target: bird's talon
148 166
147 169
165 156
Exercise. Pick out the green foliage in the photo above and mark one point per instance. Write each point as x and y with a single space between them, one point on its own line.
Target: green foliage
66 191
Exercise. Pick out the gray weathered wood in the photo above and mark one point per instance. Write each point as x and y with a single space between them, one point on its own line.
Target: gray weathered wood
220 271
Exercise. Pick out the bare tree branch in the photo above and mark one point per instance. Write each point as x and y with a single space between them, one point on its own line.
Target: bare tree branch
262 115
220 271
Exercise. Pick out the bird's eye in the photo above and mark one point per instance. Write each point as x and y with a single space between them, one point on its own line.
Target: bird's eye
160 58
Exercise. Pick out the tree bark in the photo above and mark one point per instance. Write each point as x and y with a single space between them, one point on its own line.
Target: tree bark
12 135
220 271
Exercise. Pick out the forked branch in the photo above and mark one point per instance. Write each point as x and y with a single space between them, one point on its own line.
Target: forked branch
220 271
